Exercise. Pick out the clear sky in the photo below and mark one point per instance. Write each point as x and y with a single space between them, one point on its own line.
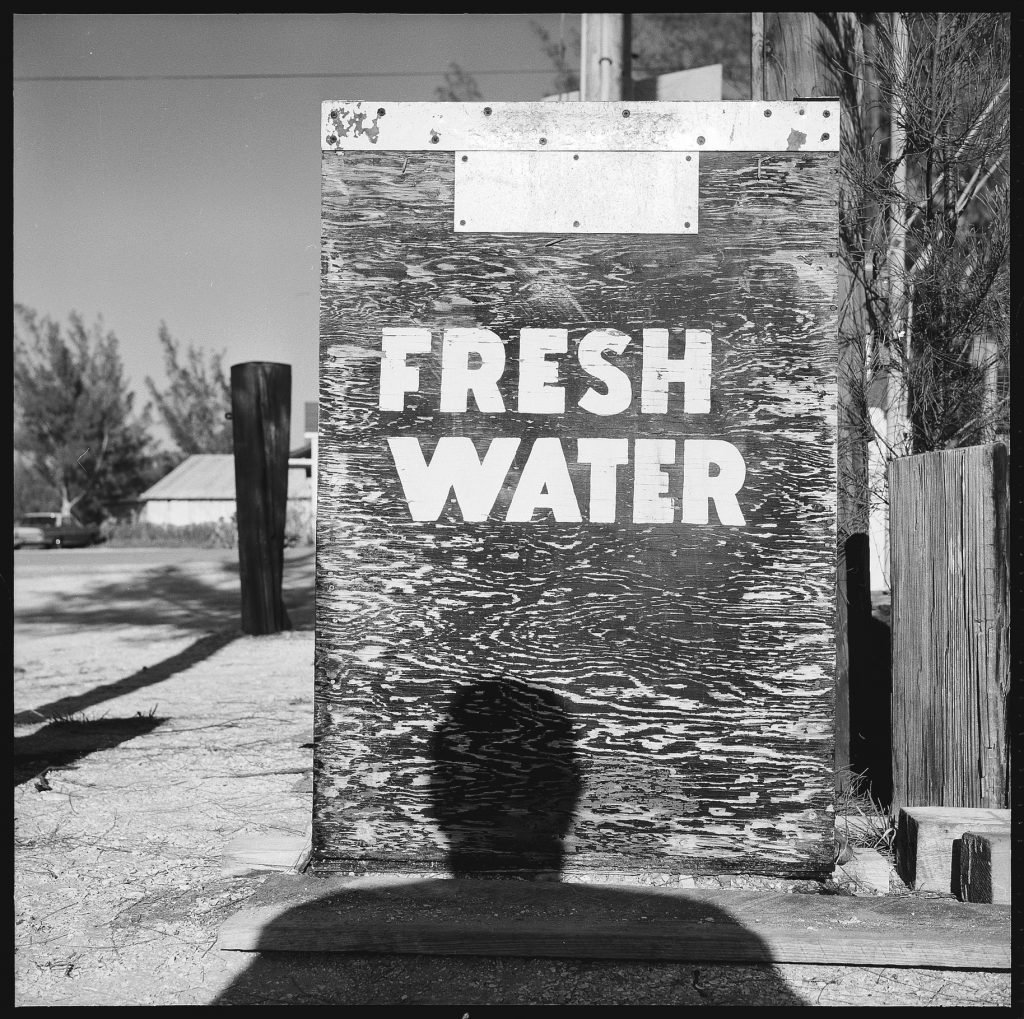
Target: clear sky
197 202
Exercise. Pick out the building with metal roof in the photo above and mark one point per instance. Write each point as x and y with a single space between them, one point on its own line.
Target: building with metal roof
201 489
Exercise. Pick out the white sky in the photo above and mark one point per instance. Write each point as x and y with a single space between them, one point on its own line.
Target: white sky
197 202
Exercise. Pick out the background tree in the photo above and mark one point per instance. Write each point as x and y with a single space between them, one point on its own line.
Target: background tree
32 493
75 431
196 401
564 54
662 43
924 229
459 86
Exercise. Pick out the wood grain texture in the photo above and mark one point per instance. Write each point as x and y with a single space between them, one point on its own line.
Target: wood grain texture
261 394
793 54
950 628
249 853
985 873
538 919
691 665
928 843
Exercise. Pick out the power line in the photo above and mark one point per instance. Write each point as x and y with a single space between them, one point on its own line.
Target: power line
238 77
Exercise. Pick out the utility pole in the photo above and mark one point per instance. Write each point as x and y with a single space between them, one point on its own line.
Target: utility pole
605 57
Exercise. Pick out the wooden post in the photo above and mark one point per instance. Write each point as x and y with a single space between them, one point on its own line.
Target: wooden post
788 61
950 628
260 413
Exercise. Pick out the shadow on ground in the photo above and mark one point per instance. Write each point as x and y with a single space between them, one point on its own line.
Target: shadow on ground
436 941
148 675
62 743
166 594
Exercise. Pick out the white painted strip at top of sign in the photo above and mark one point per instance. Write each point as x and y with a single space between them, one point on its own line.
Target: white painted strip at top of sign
806 125
581 192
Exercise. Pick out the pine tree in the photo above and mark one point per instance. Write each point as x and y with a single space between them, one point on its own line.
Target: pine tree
196 402
74 422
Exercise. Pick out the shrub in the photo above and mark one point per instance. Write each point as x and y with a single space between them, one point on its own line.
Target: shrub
222 533
214 534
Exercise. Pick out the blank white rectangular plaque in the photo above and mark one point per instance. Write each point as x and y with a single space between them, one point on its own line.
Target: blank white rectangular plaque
586 192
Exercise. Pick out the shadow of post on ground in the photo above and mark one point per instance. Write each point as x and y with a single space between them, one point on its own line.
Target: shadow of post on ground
158 595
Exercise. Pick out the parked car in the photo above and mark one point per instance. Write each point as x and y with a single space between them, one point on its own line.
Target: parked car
54 530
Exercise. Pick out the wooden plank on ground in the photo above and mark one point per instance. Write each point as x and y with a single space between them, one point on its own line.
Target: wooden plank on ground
249 853
985 867
928 843
552 919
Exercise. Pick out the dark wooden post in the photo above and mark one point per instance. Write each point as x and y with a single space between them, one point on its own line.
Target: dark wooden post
260 413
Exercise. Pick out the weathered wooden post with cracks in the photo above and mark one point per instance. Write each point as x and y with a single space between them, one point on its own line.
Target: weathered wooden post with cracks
577 489
951 628
260 413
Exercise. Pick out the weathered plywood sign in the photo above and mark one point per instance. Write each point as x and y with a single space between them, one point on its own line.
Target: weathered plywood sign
576 509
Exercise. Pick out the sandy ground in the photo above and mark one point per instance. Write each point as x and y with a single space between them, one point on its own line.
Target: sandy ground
149 732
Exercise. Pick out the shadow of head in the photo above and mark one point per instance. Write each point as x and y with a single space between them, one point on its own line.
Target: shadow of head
505 778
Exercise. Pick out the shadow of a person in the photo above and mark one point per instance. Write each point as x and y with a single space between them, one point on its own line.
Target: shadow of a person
505 781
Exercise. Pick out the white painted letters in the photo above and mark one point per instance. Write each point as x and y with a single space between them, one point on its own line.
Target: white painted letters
699 485
693 369
473 360
650 482
454 466
544 482
620 391
396 377
604 456
539 392
458 378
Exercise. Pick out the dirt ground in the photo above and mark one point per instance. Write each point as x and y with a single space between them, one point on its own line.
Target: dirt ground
149 733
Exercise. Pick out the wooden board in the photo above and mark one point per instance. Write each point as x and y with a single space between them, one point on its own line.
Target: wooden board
951 679
528 918
584 688
247 854
928 843
985 867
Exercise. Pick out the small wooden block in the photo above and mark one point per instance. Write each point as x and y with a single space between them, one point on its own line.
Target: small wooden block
985 867
249 853
867 872
928 843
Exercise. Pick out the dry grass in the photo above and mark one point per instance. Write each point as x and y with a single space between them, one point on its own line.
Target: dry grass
860 820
